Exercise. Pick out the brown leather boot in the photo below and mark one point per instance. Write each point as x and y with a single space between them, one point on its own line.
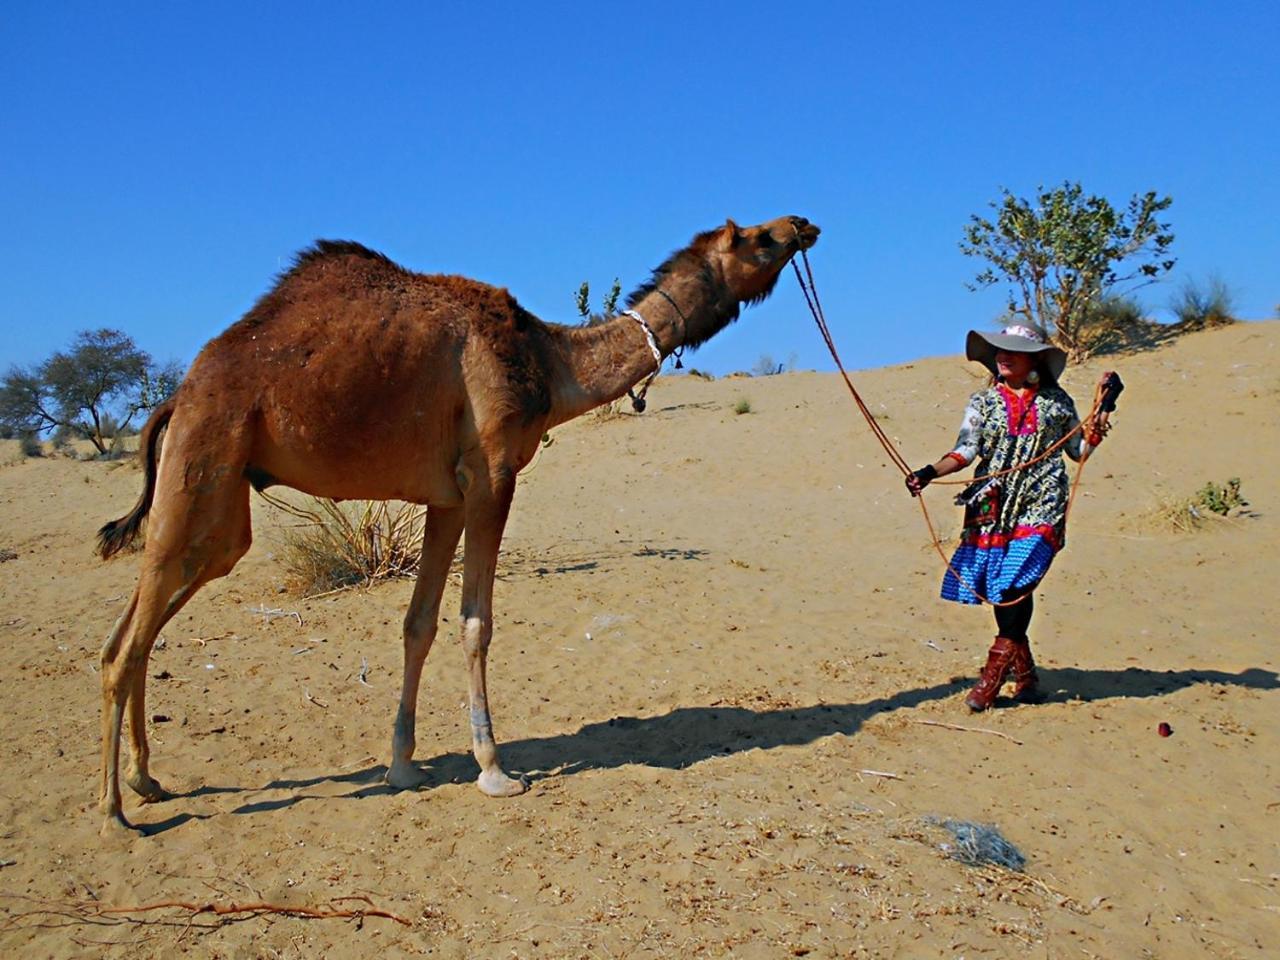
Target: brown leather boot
999 661
1026 683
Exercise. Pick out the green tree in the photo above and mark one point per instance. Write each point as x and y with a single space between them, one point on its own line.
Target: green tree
1064 251
91 390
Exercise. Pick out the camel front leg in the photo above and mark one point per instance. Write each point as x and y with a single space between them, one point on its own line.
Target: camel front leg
440 540
486 518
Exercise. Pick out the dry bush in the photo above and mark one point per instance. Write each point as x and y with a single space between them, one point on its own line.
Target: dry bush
342 545
1186 514
1199 307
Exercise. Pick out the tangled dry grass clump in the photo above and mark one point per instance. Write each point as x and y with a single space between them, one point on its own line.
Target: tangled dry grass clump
1210 504
336 545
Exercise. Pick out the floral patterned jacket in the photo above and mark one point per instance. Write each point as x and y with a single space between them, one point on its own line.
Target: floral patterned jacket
1001 430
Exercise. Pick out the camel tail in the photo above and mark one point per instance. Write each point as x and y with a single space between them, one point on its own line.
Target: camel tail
118 534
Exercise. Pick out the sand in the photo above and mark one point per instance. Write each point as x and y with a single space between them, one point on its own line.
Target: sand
717 635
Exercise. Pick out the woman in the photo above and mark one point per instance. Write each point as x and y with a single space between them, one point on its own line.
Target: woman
1014 522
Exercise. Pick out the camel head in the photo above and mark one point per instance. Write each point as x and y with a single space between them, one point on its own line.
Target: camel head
750 259
723 269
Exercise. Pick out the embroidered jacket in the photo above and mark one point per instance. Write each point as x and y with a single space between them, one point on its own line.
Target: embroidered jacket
1001 430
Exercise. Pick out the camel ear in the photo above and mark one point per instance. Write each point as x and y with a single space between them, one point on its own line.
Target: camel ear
732 235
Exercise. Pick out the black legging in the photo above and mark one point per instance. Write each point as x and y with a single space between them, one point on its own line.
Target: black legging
1012 622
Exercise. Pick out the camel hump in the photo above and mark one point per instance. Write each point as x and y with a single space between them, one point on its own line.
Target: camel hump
331 249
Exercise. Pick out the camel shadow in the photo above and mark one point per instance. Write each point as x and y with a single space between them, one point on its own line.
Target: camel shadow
689 735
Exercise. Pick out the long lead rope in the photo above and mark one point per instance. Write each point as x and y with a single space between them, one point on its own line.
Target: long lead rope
810 292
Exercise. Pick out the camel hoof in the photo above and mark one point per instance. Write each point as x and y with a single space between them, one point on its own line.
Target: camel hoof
498 784
405 776
148 788
116 827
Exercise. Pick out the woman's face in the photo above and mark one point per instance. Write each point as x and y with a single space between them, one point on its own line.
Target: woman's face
1014 366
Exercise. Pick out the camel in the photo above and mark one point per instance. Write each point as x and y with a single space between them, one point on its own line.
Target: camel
354 378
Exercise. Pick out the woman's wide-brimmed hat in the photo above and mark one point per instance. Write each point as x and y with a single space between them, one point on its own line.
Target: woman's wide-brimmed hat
1018 338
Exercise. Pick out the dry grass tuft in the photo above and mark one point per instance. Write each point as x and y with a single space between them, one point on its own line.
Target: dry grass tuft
349 544
1211 504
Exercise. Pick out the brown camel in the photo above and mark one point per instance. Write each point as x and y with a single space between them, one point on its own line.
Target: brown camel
354 378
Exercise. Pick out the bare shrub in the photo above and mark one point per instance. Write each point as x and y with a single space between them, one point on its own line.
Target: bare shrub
342 545
1111 324
1198 307
30 446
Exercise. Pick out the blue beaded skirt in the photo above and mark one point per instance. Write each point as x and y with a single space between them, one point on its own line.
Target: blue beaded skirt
999 566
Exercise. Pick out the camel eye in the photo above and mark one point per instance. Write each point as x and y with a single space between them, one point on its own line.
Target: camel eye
766 240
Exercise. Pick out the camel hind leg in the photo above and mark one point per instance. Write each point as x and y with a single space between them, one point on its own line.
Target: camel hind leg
196 535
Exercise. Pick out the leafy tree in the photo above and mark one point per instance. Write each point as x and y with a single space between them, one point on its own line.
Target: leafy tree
1064 251
80 390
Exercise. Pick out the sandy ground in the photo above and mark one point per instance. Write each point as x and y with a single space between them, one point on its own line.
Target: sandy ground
710 627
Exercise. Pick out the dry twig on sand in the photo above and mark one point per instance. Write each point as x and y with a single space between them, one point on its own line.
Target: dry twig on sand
956 726
310 699
90 912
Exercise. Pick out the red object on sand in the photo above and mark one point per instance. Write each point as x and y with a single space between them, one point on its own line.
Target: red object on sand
1164 730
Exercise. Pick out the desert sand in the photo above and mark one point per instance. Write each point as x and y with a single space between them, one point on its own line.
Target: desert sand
717 636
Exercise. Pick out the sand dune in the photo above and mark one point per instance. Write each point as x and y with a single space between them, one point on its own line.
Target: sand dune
710 626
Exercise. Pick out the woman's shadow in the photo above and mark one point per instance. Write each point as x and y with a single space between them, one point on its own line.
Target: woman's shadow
689 735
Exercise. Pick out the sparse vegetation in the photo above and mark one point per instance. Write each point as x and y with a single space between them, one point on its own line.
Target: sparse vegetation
30 446
1062 253
608 310
1211 502
609 304
766 366
1220 498
93 390
1112 323
742 406
342 545
1198 307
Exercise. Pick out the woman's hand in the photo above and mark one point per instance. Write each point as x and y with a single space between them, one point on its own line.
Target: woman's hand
920 479
1110 388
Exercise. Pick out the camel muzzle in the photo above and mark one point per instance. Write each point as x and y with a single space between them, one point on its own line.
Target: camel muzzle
806 232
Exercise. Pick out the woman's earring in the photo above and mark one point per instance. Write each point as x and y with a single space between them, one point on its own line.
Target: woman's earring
1033 376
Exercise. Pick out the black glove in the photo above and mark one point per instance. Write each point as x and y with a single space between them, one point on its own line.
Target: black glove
1112 387
920 479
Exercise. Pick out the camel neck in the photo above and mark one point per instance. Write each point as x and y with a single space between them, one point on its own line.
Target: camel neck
601 362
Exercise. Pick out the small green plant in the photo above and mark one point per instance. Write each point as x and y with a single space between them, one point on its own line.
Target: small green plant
1189 514
609 310
1220 498
742 406
608 304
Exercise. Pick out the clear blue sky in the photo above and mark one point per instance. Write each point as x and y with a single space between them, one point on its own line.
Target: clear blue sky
159 163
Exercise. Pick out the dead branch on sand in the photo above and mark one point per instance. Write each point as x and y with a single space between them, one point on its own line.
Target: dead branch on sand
956 726
90 912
